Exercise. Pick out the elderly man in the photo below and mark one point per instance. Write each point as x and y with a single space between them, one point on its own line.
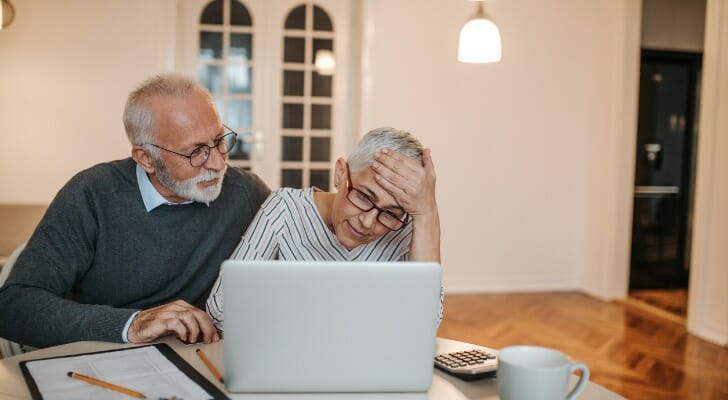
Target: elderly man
129 249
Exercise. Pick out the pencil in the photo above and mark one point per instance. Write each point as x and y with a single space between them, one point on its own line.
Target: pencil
106 385
210 366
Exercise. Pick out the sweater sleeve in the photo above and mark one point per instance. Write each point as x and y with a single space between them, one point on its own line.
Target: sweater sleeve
36 302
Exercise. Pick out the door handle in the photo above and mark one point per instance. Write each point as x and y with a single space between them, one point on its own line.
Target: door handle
656 190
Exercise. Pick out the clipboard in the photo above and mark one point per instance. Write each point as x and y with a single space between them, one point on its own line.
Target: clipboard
179 362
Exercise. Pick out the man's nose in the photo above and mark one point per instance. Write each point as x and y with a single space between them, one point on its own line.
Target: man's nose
215 161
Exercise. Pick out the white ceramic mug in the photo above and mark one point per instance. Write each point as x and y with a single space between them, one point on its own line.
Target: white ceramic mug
532 372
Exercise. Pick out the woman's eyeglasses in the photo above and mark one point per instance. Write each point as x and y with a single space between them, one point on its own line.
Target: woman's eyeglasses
393 220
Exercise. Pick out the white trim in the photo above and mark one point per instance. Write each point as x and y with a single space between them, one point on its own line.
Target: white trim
705 265
516 285
606 263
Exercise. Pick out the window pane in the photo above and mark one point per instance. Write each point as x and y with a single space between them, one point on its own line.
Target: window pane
212 14
321 20
293 50
239 79
293 116
242 148
292 148
239 114
320 178
292 178
293 83
210 45
321 85
320 116
297 18
210 76
319 44
239 15
320 149
240 47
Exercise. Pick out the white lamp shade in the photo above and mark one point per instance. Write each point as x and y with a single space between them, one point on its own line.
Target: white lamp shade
480 42
325 62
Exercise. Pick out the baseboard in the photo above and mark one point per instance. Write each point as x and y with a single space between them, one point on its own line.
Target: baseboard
501 287
711 334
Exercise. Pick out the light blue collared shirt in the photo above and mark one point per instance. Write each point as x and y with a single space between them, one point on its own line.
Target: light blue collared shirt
150 196
152 199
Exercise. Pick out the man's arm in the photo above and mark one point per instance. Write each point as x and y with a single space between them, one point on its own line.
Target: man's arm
35 305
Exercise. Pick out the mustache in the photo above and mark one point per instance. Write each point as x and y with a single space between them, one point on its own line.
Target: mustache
207 175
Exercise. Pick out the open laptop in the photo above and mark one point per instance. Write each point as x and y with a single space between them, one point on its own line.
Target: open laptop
307 326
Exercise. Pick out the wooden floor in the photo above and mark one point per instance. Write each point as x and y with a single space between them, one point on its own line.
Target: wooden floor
674 301
630 351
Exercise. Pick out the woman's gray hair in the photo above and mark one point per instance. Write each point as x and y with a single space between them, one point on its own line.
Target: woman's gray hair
383 138
138 114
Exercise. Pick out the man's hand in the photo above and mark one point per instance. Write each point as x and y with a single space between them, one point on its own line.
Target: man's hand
178 317
411 183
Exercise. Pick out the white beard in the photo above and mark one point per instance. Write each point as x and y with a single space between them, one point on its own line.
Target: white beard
188 189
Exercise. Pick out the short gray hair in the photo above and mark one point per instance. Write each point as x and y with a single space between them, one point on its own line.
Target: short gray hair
138 114
383 138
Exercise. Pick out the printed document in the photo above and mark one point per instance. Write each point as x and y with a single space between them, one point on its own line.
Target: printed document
143 369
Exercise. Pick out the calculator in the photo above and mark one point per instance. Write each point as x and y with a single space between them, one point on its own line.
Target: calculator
468 364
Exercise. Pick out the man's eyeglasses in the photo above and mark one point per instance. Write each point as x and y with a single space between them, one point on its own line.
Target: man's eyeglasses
201 153
393 220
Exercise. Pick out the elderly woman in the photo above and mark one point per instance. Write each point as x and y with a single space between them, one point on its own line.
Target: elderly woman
384 209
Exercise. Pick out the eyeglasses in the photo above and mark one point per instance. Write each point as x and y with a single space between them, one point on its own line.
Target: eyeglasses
201 153
392 220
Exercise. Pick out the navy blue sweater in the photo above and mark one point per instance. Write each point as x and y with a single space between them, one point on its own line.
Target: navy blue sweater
97 255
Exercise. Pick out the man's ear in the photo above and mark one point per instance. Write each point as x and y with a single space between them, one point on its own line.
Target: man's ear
142 158
339 172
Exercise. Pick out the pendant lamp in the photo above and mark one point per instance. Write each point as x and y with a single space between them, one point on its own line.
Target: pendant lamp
480 40
7 13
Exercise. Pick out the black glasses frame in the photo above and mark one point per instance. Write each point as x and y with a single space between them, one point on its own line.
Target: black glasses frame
206 150
404 220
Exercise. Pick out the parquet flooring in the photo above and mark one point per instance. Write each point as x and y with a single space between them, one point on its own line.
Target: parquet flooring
632 352
674 301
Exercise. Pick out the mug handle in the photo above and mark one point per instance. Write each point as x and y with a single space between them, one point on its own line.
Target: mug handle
582 380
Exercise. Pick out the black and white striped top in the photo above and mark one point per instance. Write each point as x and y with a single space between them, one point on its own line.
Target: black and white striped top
289 227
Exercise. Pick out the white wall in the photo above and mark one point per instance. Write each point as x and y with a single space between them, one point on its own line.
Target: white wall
518 145
611 149
66 68
708 302
673 24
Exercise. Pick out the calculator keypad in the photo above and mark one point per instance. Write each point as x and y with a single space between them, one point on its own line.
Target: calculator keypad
467 362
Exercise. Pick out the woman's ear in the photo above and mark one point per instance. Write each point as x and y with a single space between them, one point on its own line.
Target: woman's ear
142 158
339 172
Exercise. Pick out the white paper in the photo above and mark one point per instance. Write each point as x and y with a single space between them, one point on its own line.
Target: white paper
144 369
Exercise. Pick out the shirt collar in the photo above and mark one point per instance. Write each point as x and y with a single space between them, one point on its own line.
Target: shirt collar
150 196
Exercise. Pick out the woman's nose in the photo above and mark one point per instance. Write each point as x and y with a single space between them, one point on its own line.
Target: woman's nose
369 218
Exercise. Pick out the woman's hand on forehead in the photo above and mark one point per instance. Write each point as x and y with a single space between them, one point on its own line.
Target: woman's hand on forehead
409 181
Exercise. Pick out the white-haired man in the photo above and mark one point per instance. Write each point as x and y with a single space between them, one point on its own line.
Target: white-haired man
129 249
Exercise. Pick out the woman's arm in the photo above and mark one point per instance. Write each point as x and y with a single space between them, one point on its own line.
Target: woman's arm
412 184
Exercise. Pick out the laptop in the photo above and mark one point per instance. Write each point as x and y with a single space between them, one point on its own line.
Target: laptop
308 326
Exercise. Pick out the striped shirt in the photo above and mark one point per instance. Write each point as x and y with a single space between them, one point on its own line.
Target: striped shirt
288 226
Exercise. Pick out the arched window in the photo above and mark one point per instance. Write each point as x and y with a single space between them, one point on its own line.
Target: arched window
307 99
225 67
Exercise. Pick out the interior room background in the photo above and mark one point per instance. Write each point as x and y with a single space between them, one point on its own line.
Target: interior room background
534 154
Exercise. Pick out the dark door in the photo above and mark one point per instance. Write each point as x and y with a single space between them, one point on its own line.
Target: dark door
664 169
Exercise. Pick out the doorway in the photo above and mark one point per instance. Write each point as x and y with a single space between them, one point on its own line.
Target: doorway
663 184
